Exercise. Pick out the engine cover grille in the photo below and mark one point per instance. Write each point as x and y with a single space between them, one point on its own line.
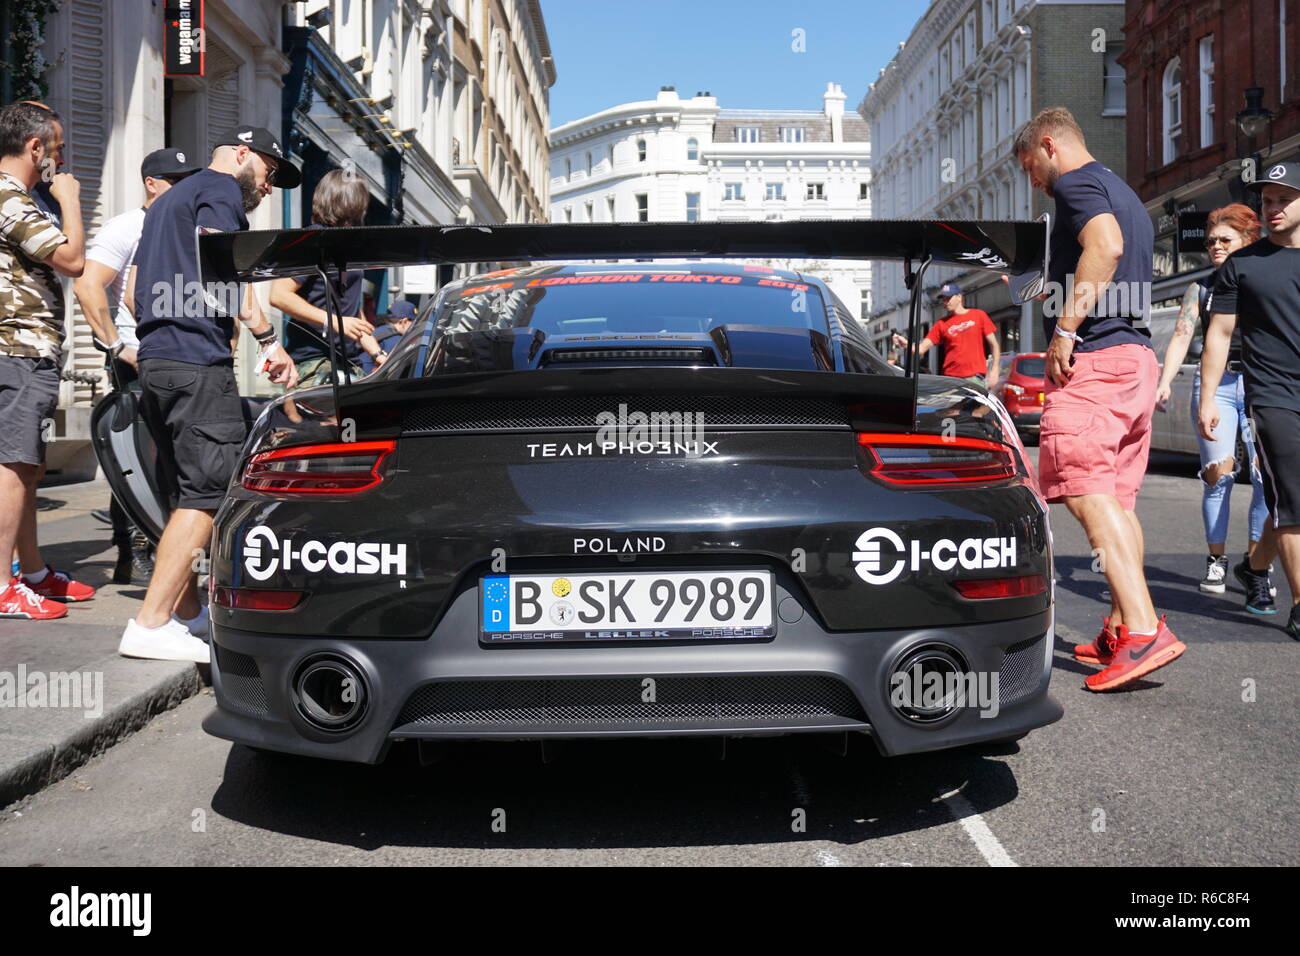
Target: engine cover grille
621 701
581 411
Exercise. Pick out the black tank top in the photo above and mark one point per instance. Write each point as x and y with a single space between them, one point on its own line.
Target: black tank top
1204 287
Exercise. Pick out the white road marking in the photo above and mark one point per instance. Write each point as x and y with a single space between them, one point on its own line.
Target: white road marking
994 853
827 858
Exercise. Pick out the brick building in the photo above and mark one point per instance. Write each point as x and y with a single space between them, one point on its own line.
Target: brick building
1189 66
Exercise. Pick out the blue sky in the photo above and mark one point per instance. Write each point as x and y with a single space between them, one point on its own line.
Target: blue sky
616 51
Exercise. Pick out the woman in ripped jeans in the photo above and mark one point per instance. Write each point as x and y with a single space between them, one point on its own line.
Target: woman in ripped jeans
1227 230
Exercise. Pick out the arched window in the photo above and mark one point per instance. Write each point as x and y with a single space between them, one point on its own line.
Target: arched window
692 148
1173 110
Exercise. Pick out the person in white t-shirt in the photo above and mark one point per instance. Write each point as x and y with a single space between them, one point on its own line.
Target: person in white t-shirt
103 295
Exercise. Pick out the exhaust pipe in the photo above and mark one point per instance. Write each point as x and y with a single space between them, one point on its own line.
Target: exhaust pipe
330 693
928 684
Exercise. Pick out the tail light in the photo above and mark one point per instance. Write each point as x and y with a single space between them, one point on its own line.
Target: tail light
1014 389
257 599
983 590
339 468
928 460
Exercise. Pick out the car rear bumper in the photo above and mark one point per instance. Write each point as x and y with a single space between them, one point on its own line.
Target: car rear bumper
804 680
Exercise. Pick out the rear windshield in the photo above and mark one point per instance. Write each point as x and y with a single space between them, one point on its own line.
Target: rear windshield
620 303
1031 367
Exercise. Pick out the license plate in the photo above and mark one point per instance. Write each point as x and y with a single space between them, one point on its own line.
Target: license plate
645 606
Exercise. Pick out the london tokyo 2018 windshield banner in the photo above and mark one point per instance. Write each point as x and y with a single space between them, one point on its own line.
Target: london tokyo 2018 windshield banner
183 38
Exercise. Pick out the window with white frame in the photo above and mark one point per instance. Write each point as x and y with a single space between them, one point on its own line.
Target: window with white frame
774 191
589 164
990 24
865 305
692 207
568 168
1113 102
643 207
692 148
640 151
733 191
609 203
864 191
792 134
815 191
747 134
1172 100
1206 47
1004 107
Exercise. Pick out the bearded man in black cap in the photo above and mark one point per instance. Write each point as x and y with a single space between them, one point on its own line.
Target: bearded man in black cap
102 292
189 397
1259 285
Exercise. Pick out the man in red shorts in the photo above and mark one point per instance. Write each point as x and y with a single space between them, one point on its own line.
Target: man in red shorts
1100 382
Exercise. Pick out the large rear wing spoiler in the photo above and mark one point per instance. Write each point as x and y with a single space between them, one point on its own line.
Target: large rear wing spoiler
1017 248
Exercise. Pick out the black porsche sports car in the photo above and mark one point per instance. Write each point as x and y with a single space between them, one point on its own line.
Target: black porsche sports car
631 498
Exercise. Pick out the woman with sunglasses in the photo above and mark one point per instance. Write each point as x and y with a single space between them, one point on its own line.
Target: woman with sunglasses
1227 229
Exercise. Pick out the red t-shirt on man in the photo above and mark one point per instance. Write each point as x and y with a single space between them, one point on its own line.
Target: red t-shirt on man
962 338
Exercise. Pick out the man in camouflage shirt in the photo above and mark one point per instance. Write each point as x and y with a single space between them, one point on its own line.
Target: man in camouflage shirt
33 251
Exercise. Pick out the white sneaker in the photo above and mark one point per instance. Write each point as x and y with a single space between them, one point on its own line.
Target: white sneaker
170 642
198 627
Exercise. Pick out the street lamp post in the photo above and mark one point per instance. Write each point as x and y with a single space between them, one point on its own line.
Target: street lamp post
1250 122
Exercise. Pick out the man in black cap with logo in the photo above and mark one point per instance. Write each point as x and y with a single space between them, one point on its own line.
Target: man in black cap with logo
186 329
101 291
1259 285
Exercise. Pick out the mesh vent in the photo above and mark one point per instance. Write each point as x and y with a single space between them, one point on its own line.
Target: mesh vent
581 411
1021 669
568 702
241 681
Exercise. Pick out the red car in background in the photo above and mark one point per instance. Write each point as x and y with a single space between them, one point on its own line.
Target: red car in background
1020 387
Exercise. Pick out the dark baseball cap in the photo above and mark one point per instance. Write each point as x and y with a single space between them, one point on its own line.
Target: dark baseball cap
167 163
260 140
401 310
1284 174
947 289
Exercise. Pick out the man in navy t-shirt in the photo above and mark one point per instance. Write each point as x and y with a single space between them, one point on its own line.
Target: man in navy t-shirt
186 327
1101 381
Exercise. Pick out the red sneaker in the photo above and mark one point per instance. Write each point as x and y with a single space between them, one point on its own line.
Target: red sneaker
59 586
1100 651
1134 659
18 600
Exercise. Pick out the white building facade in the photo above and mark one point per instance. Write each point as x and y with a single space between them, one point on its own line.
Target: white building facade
944 112
686 160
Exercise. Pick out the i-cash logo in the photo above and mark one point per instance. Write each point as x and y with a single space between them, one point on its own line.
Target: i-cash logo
265 553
